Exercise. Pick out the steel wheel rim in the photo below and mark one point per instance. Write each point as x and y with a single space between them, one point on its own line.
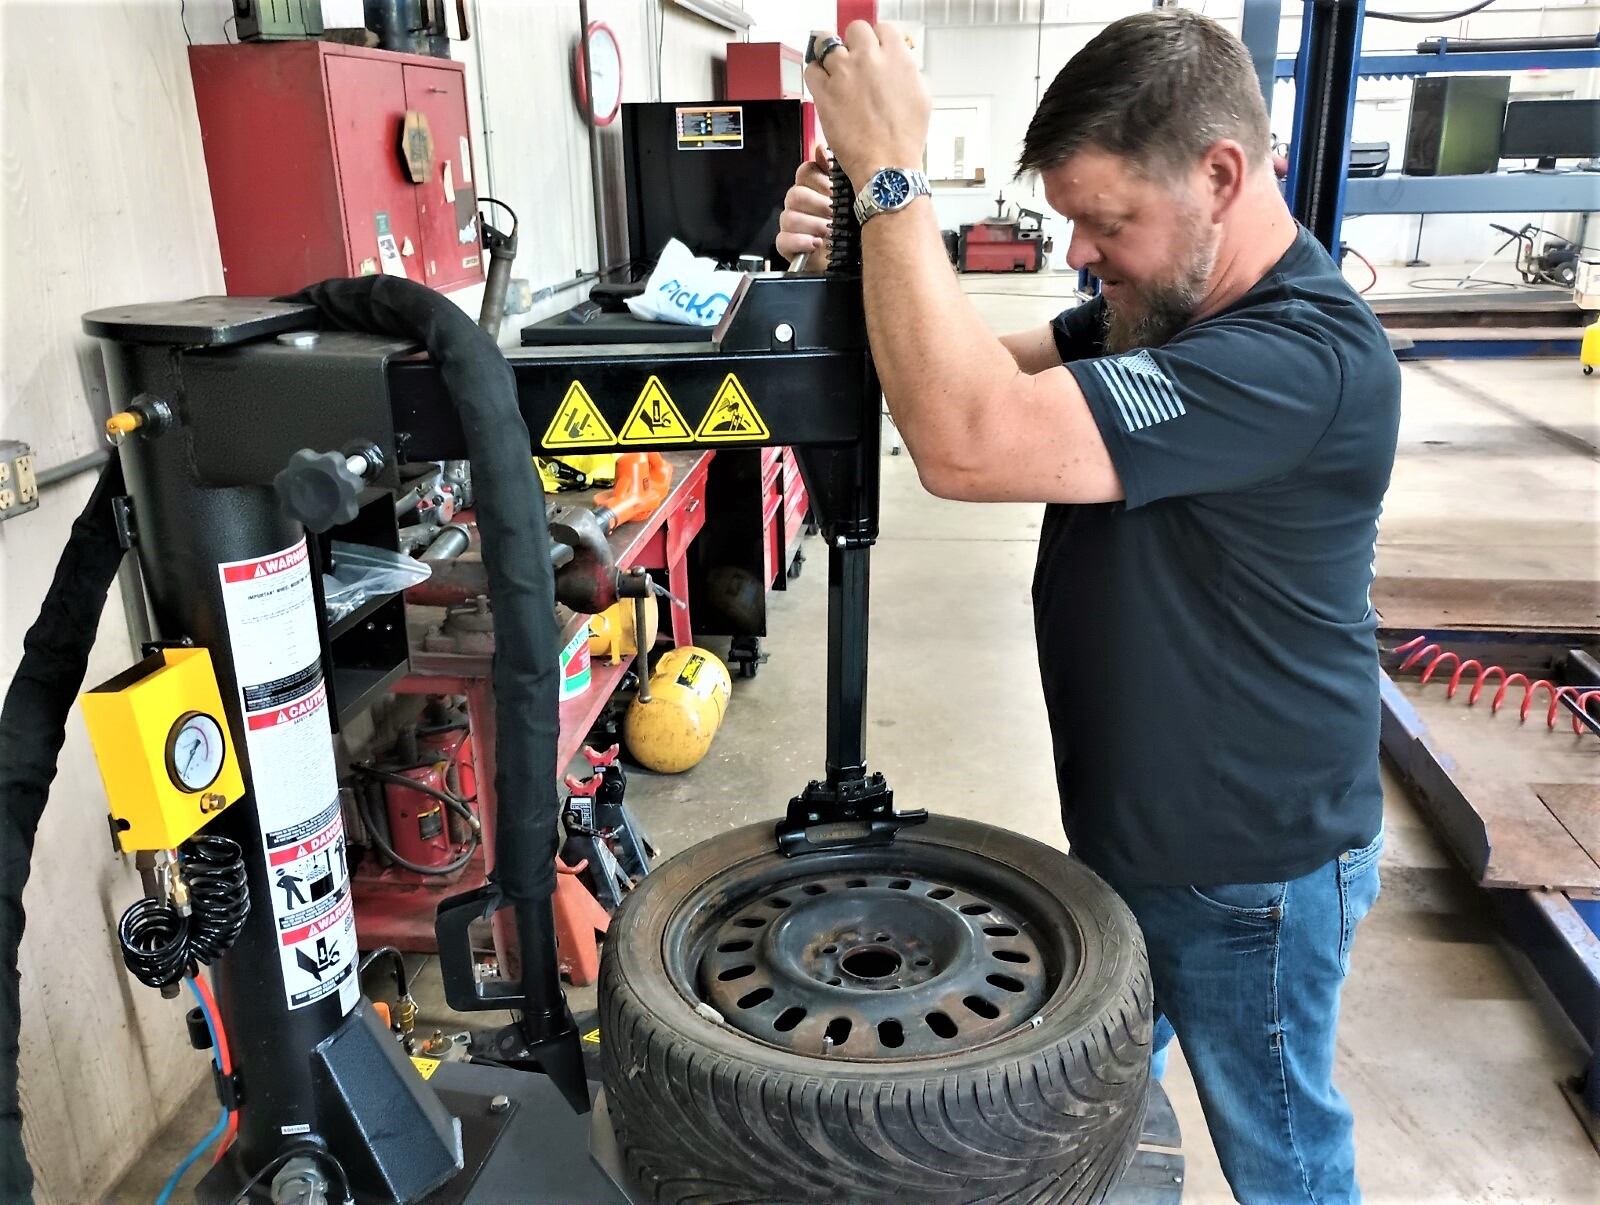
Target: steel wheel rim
841 956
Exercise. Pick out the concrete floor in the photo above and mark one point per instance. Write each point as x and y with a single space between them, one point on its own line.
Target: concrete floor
1449 1052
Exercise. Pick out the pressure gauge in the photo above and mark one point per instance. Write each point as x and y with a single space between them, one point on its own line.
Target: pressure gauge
605 69
195 751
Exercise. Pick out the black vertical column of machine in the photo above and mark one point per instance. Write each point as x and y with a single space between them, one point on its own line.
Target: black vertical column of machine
184 532
850 533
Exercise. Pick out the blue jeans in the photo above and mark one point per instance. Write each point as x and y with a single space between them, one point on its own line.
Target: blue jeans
1248 977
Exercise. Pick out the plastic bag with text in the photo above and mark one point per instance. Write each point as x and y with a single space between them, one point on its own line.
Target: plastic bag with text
685 289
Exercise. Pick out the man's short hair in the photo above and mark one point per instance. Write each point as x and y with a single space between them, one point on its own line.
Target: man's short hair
1156 88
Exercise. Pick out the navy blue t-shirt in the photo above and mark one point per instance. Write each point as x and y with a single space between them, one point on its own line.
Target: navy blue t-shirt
1207 646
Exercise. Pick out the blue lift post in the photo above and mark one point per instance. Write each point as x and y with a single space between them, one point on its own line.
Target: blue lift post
1324 109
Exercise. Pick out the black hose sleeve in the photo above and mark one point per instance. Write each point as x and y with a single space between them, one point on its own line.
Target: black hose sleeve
516 555
33 721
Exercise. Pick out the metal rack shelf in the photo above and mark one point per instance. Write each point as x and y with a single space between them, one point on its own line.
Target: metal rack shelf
1503 192
1371 65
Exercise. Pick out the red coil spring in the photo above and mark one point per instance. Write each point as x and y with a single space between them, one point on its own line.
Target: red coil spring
1419 649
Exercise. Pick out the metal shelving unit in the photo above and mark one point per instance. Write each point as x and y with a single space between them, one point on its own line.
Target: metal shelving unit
1528 192
1401 66
1503 192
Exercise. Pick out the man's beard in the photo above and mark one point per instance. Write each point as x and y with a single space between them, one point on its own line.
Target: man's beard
1159 311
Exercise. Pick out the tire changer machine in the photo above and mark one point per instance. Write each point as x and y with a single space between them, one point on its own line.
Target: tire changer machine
247 425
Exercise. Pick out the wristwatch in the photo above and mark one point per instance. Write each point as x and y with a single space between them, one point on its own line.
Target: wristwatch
890 189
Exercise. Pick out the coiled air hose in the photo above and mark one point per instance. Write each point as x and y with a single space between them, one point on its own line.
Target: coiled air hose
160 945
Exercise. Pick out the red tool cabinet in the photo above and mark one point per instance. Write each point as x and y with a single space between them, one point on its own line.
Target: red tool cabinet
303 148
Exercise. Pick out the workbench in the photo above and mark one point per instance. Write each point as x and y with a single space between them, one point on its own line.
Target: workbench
396 907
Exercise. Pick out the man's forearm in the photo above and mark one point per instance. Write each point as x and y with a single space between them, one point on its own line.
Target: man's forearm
941 368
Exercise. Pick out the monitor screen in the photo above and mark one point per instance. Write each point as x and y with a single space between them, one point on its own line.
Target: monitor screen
1551 129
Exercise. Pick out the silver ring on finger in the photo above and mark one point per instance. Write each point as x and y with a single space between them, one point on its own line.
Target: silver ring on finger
828 46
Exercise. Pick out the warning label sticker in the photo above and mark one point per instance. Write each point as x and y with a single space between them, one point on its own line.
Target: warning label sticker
425 1066
272 625
578 422
655 418
732 416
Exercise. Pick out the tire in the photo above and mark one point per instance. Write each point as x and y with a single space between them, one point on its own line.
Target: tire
1048 1110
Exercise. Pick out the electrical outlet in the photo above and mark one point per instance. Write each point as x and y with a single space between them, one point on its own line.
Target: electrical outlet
19 489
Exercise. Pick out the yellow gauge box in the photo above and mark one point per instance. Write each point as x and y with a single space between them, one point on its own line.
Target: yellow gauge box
161 739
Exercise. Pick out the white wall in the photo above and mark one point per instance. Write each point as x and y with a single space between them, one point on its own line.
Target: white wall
106 201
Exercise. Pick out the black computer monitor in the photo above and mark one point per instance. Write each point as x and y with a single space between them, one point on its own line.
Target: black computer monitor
1548 130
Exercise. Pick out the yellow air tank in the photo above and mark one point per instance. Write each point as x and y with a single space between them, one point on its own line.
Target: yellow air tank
669 727
611 631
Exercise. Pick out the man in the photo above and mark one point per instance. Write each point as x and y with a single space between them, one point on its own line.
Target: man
1212 437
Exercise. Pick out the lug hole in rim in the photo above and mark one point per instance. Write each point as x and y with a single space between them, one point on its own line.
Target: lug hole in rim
789 1018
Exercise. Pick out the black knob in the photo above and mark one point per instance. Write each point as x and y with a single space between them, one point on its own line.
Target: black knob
319 489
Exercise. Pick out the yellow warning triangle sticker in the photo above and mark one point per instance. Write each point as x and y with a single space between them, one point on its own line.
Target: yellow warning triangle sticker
425 1067
655 418
732 416
578 422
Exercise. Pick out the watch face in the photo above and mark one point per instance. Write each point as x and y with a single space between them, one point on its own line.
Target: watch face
890 188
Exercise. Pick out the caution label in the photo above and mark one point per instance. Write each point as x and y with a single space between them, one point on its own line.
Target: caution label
655 418
732 417
578 422
425 1067
272 626
289 712
691 670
